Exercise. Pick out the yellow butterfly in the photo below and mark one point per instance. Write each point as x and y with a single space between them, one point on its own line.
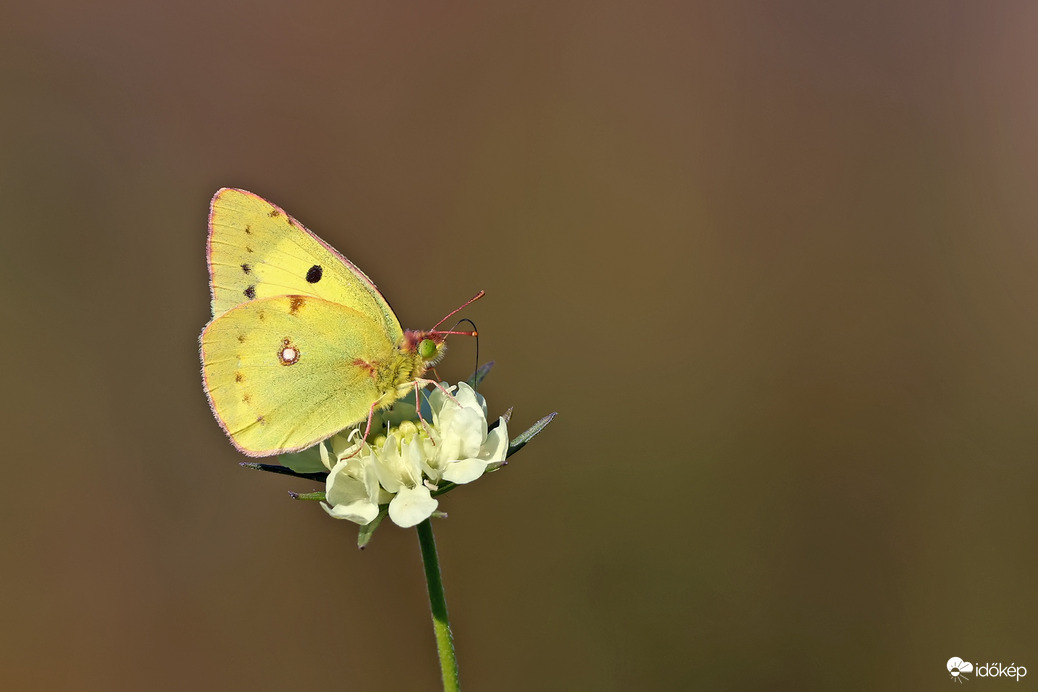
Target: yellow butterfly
301 344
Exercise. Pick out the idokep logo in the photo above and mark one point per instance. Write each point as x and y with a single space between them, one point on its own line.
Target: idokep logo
957 669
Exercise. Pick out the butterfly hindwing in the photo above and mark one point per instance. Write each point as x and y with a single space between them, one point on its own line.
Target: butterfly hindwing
285 372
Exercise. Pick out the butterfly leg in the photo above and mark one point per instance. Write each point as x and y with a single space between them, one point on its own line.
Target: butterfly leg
418 407
367 429
371 415
439 386
422 383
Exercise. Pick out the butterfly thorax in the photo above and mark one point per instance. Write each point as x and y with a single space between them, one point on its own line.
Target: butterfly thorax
409 362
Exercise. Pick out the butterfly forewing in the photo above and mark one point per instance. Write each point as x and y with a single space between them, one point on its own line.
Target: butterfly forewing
257 251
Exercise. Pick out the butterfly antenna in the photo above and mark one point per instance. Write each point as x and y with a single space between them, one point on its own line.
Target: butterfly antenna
455 311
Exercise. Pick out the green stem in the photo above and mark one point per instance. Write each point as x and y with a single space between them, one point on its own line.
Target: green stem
438 605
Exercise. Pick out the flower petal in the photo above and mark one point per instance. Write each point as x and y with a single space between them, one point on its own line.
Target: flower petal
359 512
496 446
412 506
464 471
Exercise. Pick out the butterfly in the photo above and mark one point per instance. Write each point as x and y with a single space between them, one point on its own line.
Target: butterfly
301 344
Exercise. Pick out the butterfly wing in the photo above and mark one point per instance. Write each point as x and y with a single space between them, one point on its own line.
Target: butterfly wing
285 372
256 251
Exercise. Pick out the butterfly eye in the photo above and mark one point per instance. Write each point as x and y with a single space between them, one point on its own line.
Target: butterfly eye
427 349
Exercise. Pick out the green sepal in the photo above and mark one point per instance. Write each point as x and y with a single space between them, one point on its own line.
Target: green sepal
445 487
481 373
519 442
368 530
506 416
316 496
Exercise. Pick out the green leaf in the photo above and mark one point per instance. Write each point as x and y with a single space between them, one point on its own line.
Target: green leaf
285 471
307 461
519 442
365 533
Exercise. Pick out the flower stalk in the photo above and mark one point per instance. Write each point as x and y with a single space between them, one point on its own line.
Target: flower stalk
438 606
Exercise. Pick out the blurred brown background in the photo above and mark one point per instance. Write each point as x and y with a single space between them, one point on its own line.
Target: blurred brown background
774 265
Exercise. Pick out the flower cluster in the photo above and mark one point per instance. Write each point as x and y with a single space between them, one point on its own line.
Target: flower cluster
413 459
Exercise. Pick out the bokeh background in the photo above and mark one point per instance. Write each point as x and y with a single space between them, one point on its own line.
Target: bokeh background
774 264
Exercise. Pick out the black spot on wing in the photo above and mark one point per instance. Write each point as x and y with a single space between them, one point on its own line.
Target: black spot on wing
247 268
313 275
250 292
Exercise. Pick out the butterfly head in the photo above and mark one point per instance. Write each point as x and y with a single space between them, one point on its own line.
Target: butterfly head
428 346
424 349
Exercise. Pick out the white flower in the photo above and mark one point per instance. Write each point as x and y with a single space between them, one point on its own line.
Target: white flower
399 467
352 490
403 467
464 449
